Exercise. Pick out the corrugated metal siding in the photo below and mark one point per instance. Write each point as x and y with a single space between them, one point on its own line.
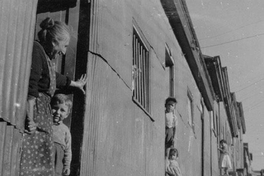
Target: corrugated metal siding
9 144
111 137
113 140
90 141
2 142
118 136
17 23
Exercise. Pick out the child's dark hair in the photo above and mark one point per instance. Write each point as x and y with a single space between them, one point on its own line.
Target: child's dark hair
173 151
170 99
223 141
60 99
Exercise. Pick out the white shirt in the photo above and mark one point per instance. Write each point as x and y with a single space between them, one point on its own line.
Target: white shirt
170 120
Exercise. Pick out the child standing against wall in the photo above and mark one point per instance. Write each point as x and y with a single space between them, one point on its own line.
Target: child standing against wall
172 166
170 122
61 106
225 161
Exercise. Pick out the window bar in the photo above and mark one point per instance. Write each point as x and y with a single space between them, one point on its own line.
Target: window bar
134 38
147 81
144 77
136 67
133 64
139 74
141 68
138 70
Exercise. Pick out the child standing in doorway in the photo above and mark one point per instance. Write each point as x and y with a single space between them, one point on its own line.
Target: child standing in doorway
225 161
170 122
61 107
172 165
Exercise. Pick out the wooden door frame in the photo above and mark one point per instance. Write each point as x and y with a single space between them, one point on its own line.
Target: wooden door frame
49 7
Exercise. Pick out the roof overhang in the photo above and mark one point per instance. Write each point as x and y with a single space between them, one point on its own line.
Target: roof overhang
214 68
241 115
180 21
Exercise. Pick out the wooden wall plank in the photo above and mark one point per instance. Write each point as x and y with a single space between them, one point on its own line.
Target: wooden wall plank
15 158
6 170
2 142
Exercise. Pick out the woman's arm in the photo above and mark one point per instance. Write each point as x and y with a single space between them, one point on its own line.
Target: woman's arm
63 81
36 70
31 126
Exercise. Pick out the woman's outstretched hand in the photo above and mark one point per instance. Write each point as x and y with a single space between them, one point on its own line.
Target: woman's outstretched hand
80 83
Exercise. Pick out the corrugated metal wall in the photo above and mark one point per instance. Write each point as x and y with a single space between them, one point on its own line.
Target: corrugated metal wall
118 135
17 23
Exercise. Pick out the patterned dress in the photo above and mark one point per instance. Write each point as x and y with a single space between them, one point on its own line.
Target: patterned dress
37 148
37 155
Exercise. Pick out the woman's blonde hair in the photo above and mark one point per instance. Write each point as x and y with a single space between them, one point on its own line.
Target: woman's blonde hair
51 30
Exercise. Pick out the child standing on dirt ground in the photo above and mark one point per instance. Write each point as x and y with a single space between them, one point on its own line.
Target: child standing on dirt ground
61 107
170 122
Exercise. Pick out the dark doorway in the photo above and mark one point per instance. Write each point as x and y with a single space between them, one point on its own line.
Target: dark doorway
76 14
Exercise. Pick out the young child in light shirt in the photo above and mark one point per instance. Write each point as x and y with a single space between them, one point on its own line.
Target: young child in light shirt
172 165
170 123
61 107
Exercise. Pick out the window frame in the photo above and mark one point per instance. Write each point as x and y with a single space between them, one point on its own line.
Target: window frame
190 108
140 70
169 62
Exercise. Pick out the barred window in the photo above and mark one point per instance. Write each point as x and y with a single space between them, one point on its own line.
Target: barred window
140 72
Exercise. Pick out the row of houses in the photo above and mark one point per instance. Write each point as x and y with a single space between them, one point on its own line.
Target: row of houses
135 54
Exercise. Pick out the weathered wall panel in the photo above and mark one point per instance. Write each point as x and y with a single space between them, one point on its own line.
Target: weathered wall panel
207 145
118 135
214 155
2 143
121 137
10 142
16 34
17 20
238 151
7 160
15 160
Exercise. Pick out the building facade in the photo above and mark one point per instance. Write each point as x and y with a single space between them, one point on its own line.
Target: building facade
135 54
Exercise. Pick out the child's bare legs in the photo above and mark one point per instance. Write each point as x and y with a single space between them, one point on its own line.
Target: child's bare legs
167 150
224 171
